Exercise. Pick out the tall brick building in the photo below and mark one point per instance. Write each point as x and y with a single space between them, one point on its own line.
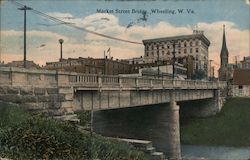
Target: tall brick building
92 66
189 50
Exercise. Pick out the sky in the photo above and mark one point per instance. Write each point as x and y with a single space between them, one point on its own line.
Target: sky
124 20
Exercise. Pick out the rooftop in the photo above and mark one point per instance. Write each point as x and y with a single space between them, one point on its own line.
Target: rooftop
241 77
182 37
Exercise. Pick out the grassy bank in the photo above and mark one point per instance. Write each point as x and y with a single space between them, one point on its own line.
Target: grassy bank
26 136
231 127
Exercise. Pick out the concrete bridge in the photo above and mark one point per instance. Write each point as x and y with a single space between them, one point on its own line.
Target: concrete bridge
137 107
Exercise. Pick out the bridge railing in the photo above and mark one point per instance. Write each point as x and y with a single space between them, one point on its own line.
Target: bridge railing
15 76
140 82
81 78
32 77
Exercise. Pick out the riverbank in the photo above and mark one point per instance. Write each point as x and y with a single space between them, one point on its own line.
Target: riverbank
231 127
27 136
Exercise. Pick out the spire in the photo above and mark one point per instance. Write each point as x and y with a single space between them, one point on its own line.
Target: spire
224 52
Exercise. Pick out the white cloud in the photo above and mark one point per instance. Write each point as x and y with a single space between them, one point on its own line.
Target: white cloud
93 46
60 15
248 2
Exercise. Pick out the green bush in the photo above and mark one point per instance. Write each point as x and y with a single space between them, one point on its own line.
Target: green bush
85 118
36 137
11 115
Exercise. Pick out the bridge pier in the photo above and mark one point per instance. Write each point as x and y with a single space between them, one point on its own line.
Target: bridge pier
202 108
157 123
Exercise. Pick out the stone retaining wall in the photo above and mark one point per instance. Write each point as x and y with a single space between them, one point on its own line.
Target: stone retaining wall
49 101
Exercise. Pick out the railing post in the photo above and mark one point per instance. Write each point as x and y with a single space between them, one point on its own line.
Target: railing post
173 82
151 84
99 81
62 78
136 82
120 82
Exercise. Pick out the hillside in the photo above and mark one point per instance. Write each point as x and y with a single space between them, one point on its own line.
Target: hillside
231 127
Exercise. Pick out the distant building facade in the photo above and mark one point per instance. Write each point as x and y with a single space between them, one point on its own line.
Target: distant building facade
165 71
241 83
190 50
29 64
245 63
92 66
136 60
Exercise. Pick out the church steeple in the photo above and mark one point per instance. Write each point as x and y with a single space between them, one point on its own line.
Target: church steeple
224 52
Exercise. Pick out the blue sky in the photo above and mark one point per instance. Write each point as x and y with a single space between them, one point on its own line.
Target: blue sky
209 11
209 15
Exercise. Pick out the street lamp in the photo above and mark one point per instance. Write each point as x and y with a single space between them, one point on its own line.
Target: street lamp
61 42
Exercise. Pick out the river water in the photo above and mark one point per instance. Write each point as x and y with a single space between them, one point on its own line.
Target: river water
214 153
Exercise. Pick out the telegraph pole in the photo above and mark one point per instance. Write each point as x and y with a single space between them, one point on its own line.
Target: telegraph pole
212 73
173 65
158 59
104 65
210 64
24 36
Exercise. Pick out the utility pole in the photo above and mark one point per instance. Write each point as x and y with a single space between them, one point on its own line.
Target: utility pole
173 65
212 73
236 61
158 59
24 36
210 64
104 65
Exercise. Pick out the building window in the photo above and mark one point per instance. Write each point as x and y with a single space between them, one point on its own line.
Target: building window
168 53
240 86
185 50
179 51
147 54
162 52
191 50
179 44
191 43
196 50
196 42
168 47
162 47
196 58
185 44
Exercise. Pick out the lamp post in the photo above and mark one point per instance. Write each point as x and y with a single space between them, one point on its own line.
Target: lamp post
61 42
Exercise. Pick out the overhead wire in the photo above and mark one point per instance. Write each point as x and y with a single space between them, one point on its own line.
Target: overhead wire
73 25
